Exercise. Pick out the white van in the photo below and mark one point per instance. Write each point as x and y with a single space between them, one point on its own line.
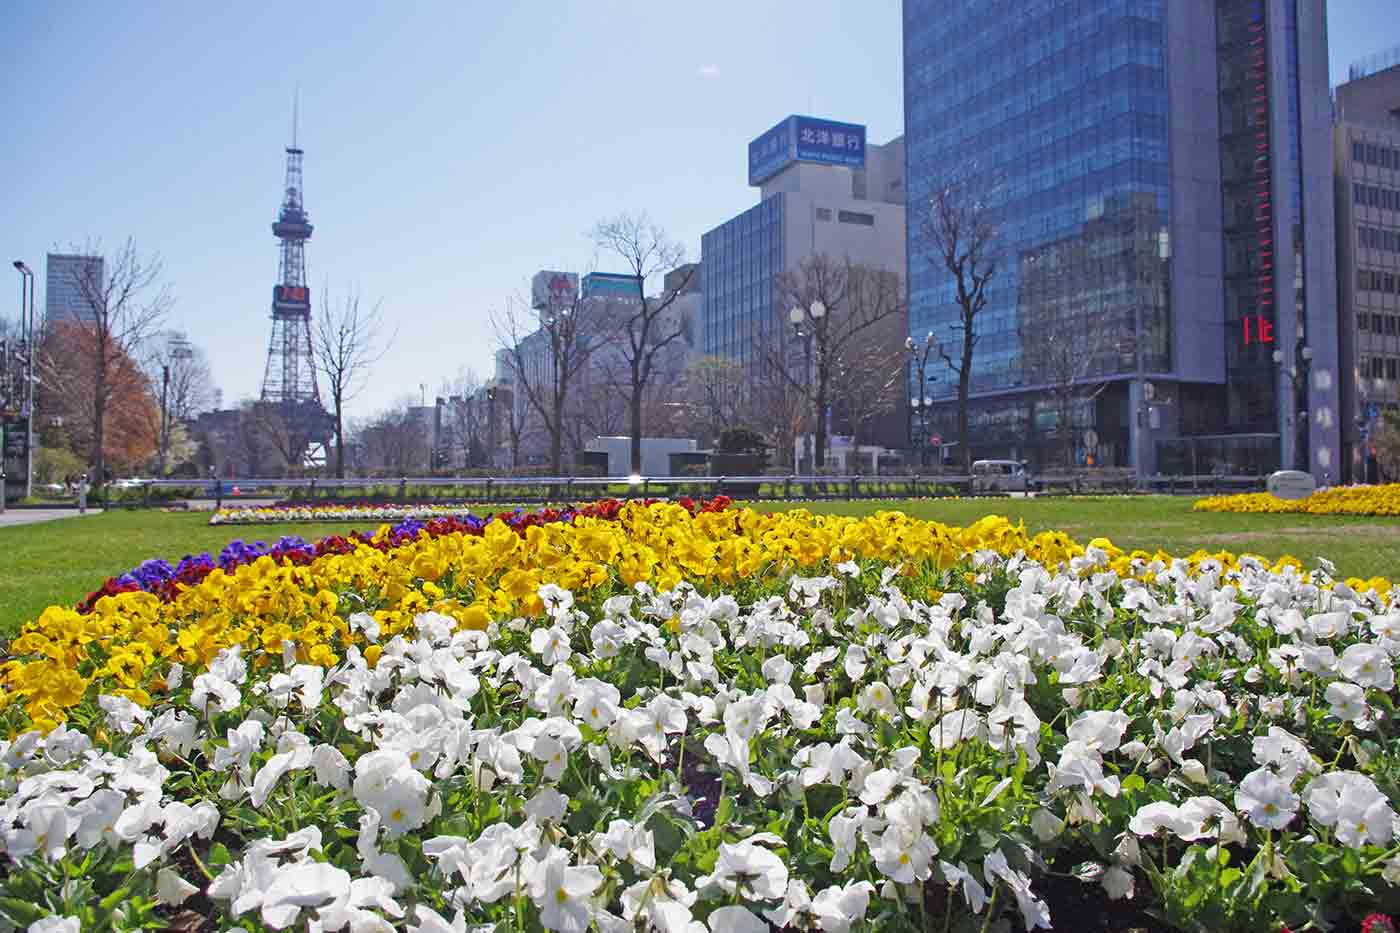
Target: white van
1000 476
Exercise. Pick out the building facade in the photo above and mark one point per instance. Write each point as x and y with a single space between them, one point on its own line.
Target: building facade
1366 150
1159 177
822 190
63 295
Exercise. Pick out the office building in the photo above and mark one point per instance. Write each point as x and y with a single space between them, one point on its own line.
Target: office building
65 278
1160 179
1366 141
822 190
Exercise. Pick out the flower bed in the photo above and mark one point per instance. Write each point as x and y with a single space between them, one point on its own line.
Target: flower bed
1338 500
351 512
659 719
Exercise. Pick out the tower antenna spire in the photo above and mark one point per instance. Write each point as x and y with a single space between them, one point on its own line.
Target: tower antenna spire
289 381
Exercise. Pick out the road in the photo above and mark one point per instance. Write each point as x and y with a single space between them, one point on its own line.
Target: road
30 516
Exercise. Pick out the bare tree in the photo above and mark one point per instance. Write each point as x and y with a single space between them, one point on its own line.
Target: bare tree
646 328
501 399
464 422
270 444
836 303
778 405
122 303
179 371
960 235
867 380
1065 356
396 441
717 393
546 363
345 342
1387 446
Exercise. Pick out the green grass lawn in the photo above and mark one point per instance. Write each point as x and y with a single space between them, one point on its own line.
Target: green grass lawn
62 561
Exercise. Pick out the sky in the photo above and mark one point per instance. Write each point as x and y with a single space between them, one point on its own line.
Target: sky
452 148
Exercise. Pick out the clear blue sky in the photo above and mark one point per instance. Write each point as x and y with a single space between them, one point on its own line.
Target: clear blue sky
452 148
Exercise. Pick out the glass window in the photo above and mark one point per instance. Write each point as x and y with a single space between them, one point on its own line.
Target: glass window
856 217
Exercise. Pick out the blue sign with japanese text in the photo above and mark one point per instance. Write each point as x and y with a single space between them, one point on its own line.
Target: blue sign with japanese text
829 142
771 152
805 139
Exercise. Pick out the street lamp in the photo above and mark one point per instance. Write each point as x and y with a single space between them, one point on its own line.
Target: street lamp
491 423
816 314
1298 416
27 332
918 402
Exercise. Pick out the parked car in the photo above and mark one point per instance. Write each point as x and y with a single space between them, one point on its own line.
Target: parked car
1001 476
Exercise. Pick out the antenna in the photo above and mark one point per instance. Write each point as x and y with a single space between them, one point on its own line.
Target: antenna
296 100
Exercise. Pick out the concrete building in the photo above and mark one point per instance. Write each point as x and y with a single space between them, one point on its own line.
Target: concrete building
1366 150
822 189
1160 178
63 297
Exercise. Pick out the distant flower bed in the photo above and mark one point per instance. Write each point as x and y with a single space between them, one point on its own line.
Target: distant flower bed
705 719
358 512
1338 500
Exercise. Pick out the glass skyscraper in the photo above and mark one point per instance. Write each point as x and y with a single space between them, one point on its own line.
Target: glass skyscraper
1147 165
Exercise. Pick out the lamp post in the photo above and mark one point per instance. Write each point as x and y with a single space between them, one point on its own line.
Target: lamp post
811 323
491 423
1297 375
27 332
919 402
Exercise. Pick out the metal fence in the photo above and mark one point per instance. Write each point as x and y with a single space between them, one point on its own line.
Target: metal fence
566 489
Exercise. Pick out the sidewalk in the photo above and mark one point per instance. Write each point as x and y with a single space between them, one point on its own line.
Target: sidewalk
30 516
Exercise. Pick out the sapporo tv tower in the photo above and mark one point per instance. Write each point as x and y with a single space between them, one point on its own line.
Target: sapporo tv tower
289 381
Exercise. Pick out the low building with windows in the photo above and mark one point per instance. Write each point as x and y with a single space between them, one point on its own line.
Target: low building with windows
1366 140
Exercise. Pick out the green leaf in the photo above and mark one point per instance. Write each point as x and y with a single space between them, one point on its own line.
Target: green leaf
1133 783
21 911
725 812
115 898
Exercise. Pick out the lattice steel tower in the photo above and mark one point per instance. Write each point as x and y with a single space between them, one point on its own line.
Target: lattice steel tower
289 381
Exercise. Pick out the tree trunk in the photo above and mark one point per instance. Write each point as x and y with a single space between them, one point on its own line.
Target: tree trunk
99 412
339 440
635 418
556 438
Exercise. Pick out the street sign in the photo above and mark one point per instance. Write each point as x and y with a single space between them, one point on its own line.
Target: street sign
1291 484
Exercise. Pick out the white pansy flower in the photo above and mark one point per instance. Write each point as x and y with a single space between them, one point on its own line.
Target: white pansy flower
563 892
551 644
1369 666
749 870
1266 799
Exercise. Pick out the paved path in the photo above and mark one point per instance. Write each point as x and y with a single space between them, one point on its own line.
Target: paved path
30 516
